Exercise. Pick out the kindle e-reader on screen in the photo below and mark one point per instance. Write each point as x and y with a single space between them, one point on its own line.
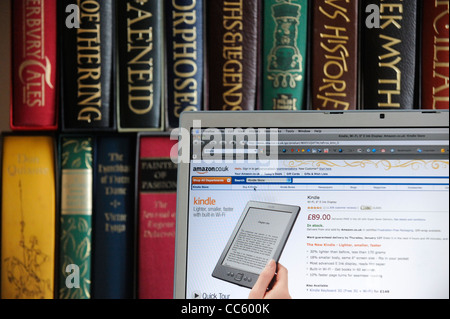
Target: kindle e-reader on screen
259 236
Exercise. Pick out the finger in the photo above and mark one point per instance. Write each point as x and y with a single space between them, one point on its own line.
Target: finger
266 276
282 276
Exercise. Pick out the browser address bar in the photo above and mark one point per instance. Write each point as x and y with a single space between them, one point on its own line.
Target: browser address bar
349 143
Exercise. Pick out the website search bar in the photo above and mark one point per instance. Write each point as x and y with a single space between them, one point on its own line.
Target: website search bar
269 180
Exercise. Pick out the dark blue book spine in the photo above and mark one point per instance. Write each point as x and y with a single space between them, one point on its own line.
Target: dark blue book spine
140 48
113 248
184 32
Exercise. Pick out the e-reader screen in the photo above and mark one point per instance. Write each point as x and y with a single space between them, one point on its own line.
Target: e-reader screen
257 239
259 236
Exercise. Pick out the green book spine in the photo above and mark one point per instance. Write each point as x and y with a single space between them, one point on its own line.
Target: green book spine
76 218
284 54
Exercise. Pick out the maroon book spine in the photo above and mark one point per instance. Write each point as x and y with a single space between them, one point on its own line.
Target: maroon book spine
335 55
435 59
233 54
157 211
34 65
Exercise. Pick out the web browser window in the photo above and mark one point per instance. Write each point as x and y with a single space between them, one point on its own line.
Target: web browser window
374 219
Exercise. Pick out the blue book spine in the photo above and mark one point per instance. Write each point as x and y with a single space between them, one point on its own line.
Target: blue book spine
184 57
113 250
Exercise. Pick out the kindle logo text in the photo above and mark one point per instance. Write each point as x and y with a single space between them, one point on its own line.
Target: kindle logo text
204 202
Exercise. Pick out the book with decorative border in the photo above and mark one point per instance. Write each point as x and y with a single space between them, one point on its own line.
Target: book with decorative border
34 91
75 250
285 48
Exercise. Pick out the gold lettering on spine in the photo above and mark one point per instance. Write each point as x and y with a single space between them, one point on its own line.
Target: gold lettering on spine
390 88
36 70
89 62
140 67
334 42
185 93
233 41
440 58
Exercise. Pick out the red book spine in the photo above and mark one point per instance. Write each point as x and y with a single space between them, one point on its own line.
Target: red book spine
435 61
34 61
157 210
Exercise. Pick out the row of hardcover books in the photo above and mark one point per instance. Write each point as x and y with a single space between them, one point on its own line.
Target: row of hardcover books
136 65
87 216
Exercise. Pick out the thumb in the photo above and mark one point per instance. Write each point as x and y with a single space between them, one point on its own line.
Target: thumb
263 282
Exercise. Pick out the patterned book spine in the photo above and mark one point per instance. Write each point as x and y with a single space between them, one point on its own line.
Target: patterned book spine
28 218
335 55
88 67
284 54
435 55
113 231
76 218
389 59
34 51
157 210
184 32
140 30
233 28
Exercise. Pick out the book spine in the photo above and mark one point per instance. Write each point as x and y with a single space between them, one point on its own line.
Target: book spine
28 218
76 218
435 55
140 64
232 52
157 210
34 52
113 230
88 67
184 32
335 55
389 65
285 54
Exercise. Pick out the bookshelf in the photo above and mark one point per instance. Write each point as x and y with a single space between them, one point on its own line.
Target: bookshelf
5 64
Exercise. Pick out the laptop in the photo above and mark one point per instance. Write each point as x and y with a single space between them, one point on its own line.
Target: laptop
335 205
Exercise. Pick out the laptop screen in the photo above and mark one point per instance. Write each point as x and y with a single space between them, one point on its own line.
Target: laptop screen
373 220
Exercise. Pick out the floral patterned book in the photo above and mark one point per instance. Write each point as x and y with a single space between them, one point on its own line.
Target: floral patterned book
76 218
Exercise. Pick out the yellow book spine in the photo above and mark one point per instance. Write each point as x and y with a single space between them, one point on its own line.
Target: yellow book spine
28 218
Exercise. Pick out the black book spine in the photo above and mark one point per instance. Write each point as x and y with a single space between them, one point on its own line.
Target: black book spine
88 67
389 66
140 29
